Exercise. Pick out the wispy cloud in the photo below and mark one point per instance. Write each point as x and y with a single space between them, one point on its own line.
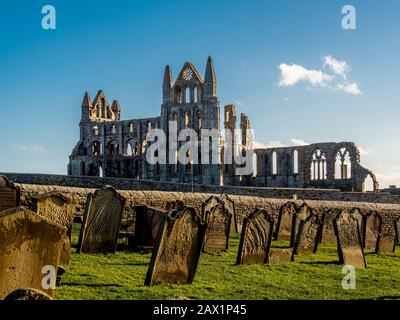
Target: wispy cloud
31 148
238 103
269 144
364 152
298 142
336 79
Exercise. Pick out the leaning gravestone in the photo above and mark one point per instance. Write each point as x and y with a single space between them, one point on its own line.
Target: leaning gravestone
177 249
349 240
147 223
9 194
302 213
28 242
371 230
55 207
328 232
285 222
101 222
255 241
218 220
387 237
230 206
308 234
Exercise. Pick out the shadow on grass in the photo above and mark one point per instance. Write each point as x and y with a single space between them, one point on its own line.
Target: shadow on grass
91 285
320 262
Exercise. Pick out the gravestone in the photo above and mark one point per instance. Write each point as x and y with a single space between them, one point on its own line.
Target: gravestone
230 206
349 239
173 205
285 222
27 294
177 249
28 242
280 255
255 241
309 234
147 223
9 194
101 222
302 213
55 207
360 219
328 231
397 229
387 238
371 230
218 220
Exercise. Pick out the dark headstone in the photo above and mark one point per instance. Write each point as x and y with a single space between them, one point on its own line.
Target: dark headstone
349 239
230 206
177 249
371 230
218 220
28 242
9 194
256 238
147 223
308 234
102 222
27 294
285 222
328 231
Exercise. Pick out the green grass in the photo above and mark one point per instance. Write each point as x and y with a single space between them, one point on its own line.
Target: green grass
121 276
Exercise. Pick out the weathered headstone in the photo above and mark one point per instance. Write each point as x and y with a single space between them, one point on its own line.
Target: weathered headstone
349 239
255 241
302 213
280 255
177 249
308 235
230 206
147 223
55 207
27 294
387 237
173 205
397 229
218 220
328 231
360 219
28 243
9 194
285 222
102 221
371 230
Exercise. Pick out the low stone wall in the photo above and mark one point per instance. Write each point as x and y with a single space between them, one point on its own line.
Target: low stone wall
243 204
131 184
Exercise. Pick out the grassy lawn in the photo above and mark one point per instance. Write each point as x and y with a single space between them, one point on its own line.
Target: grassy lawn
121 276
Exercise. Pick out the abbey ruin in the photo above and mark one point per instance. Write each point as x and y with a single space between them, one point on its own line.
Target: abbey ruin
111 147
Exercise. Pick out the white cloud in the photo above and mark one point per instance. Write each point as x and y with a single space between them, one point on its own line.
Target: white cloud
269 144
298 142
336 80
237 102
338 67
31 148
292 74
364 152
349 88
386 179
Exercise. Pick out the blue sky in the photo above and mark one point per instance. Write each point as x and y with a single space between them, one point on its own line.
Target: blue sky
123 47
